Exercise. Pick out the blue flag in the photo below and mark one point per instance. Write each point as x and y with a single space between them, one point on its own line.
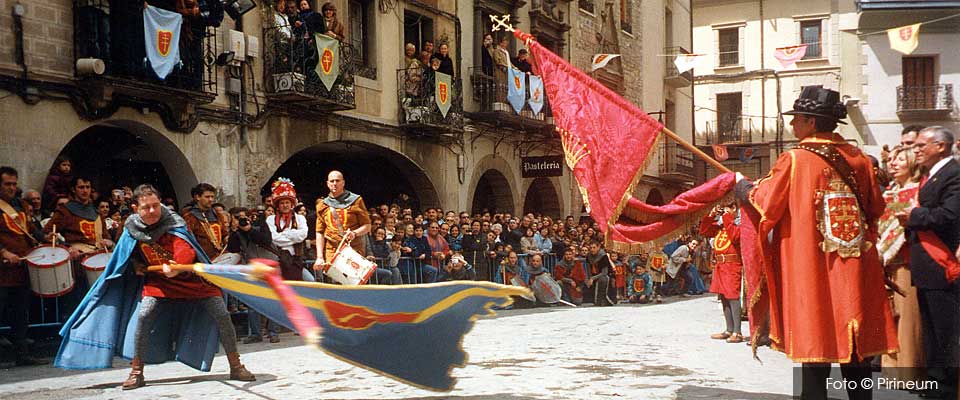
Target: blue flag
161 34
516 88
536 94
411 333
746 154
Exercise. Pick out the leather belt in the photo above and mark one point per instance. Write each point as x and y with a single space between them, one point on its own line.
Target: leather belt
727 258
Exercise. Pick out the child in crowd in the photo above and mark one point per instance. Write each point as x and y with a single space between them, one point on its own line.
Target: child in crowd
640 285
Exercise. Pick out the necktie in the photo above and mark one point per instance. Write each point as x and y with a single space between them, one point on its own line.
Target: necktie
923 179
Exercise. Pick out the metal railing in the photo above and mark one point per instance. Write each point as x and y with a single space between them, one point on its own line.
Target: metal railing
290 61
115 35
492 96
418 103
674 159
736 130
925 98
671 68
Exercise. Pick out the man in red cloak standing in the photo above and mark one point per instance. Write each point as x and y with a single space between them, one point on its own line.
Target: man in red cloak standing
819 207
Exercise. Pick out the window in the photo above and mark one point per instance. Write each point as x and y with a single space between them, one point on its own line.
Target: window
626 16
729 46
811 35
919 84
586 5
668 27
417 29
729 109
360 37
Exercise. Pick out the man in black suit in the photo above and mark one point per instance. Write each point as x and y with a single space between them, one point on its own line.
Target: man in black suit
937 212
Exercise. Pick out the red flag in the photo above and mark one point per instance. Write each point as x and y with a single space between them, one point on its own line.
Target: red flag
605 138
720 152
789 56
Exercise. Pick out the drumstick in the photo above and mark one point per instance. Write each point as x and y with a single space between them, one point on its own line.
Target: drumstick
54 242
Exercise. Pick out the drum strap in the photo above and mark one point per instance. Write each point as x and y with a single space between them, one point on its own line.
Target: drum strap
213 237
98 233
15 216
829 154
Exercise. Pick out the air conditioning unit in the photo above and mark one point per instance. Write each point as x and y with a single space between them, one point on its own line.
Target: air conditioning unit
235 41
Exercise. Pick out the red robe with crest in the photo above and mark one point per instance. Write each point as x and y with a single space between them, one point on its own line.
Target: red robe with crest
823 307
727 274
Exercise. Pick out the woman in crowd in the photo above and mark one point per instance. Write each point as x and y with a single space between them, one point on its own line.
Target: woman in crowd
528 245
446 63
542 240
455 239
334 27
907 364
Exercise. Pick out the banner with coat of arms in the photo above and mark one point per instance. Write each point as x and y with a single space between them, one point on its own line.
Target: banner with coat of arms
161 34
516 88
329 66
904 39
536 94
444 92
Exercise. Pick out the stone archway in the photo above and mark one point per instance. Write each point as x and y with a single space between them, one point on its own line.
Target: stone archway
377 173
128 153
654 198
541 197
492 186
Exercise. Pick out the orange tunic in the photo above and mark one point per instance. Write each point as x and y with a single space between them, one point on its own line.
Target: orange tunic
727 268
351 217
77 229
821 305
15 240
208 229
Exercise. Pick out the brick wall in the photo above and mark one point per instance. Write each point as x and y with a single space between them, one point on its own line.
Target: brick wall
47 36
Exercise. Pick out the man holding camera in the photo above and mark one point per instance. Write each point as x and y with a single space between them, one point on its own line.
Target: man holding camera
252 240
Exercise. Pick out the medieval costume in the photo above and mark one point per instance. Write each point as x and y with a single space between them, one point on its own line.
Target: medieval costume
208 229
727 270
571 275
603 291
288 230
822 275
640 287
336 215
146 316
17 237
80 225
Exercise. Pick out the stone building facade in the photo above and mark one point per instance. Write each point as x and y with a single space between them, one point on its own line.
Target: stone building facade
239 123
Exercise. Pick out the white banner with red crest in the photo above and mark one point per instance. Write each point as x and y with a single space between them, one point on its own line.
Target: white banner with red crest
444 92
329 66
161 35
905 38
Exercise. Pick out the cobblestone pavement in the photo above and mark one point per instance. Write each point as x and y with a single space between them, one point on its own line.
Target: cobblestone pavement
632 352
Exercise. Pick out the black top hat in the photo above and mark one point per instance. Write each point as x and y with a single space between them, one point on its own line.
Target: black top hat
819 102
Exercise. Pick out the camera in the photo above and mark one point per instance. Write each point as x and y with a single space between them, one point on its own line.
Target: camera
243 222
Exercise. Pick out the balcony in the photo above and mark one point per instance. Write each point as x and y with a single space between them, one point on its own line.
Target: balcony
494 108
924 102
672 76
736 130
116 38
676 163
420 115
290 62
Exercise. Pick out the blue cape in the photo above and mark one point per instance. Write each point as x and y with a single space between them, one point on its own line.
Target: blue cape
105 322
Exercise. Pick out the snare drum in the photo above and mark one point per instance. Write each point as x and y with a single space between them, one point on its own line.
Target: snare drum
350 268
228 259
94 265
50 271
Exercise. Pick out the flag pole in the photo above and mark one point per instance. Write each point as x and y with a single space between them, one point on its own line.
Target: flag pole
693 149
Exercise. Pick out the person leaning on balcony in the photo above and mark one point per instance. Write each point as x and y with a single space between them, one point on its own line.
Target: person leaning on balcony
501 58
334 27
446 64
486 55
413 71
522 64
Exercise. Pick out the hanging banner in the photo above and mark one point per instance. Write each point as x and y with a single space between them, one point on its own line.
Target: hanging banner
788 56
536 94
516 88
601 60
905 38
161 34
444 91
686 62
720 152
545 166
746 154
329 66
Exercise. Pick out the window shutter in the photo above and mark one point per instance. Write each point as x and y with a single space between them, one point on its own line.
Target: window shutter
741 57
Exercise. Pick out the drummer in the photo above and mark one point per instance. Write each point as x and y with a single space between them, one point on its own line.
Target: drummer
204 222
341 215
78 221
15 244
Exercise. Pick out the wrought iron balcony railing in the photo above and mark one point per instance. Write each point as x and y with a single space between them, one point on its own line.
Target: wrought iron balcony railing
675 161
417 92
491 96
113 32
937 98
734 130
290 61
